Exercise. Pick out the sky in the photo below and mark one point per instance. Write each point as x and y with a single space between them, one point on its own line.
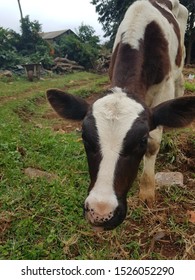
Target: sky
52 14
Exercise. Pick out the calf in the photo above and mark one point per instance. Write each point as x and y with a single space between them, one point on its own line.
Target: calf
125 125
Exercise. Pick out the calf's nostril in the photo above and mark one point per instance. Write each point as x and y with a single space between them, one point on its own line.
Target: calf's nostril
99 212
95 217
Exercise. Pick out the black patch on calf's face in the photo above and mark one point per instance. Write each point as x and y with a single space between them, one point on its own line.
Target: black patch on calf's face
92 147
134 148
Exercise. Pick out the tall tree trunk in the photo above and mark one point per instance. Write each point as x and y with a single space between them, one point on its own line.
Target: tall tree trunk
21 17
20 8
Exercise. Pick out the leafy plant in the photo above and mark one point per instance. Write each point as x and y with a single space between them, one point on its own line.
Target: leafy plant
83 53
28 47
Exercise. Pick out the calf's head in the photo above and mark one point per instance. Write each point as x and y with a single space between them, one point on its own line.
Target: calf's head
115 133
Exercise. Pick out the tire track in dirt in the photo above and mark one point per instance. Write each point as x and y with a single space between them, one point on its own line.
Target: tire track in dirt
30 92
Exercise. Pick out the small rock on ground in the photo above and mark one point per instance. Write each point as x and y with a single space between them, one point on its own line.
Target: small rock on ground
169 178
34 173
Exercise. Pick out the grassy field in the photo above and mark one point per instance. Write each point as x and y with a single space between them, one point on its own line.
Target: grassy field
42 217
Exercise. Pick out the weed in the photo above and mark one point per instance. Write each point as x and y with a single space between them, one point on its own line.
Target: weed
169 146
134 250
137 214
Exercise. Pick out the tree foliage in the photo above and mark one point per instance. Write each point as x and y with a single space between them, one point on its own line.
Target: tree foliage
8 51
190 32
30 35
27 47
31 45
86 34
190 5
82 48
111 13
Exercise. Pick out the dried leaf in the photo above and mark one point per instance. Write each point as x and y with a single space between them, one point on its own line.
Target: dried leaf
191 215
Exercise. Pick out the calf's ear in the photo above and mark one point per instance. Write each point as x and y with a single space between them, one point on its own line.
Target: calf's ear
67 105
174 113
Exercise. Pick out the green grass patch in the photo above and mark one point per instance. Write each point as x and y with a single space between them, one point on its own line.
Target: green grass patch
190 86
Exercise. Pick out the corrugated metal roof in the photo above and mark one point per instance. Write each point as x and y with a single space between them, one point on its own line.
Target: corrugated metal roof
53 34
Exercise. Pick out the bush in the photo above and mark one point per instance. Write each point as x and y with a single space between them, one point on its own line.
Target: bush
29 47
83 53
26 48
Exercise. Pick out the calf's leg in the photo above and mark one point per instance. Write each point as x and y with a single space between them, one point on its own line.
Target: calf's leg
147 181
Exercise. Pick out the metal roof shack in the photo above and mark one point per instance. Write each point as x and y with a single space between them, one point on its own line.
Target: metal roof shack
54 35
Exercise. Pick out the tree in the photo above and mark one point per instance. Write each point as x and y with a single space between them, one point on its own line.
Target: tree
31 45
111 13
30 36
27 47
76 50
8 53
86 34
82 47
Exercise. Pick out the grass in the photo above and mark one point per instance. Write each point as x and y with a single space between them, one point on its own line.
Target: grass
43 219
190 86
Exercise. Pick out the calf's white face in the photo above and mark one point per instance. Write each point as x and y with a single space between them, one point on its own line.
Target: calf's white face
113 144
115 133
